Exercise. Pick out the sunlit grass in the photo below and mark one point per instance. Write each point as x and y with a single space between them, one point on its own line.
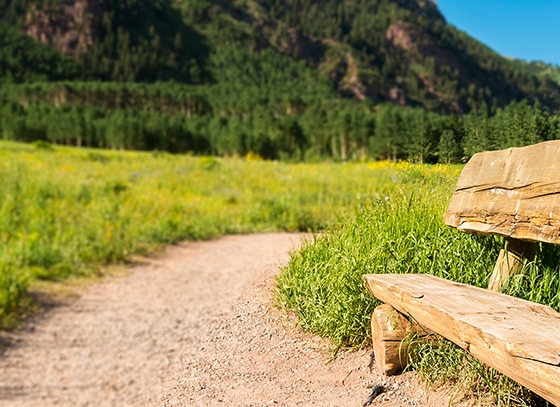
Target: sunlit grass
67 212
400 230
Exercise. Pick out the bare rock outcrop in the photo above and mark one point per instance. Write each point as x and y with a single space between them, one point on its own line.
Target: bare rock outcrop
69 27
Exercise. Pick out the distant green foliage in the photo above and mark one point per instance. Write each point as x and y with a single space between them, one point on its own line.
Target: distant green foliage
273 123
145 41
542 69
136 40
516 125
24 60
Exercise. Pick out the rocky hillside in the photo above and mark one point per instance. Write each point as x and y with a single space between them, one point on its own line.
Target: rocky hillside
401 51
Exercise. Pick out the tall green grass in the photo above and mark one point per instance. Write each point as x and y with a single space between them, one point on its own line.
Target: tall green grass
399 231
402 231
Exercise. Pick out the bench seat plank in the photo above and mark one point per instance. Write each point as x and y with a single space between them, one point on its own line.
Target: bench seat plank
519 338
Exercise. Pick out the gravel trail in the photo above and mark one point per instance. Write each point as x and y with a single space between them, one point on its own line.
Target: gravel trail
193 326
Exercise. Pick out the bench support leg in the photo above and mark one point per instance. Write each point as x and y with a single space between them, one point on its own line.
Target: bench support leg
389 329
510 261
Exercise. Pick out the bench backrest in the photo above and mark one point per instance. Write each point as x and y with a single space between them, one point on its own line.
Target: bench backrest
514 193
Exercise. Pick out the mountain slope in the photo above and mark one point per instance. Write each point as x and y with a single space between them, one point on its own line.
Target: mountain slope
135 40
400 51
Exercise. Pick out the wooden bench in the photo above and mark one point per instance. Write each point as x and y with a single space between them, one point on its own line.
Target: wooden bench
514 193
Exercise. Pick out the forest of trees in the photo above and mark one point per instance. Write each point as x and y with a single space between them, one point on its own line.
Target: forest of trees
23 59
186 119
290 79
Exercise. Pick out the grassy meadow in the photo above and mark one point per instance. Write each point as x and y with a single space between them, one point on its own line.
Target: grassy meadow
67 212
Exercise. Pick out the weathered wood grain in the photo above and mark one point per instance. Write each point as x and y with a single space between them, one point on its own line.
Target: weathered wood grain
519 338
389 328
514 193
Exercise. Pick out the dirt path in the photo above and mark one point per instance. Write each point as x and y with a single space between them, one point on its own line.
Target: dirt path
193 327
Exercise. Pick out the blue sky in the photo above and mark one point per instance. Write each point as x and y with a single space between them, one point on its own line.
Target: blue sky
523 29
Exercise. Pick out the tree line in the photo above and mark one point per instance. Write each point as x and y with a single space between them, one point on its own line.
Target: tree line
184 119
